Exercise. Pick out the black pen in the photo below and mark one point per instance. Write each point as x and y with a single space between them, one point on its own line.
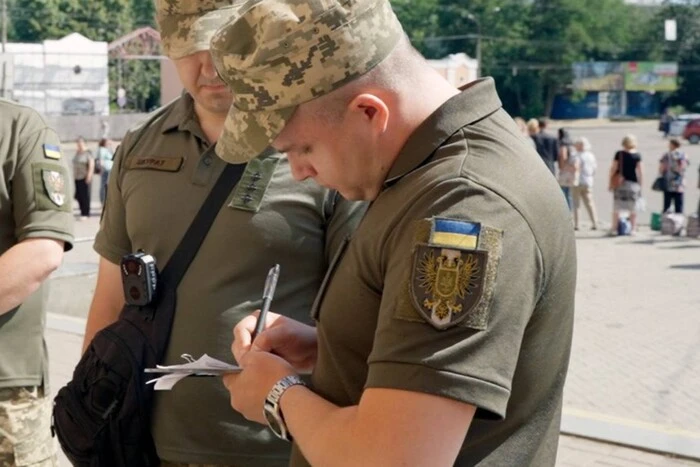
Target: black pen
268 293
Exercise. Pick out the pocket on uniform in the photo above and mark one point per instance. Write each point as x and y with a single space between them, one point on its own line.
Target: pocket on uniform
29 423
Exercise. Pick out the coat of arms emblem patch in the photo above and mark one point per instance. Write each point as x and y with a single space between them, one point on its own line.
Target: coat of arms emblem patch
54 184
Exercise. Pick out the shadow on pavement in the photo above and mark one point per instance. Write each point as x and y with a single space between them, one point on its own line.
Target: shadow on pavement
681 247
685 266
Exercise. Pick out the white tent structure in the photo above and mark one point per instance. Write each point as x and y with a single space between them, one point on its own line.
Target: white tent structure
68 76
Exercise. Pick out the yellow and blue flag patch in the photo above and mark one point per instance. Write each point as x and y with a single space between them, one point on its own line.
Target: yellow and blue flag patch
453 233
51 151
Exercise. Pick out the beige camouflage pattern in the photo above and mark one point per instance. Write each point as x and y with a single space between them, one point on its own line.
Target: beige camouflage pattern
275 55
25 428
186 26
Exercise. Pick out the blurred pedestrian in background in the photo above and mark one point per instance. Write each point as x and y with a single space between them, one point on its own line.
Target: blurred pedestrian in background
568 166
672 168
626 182
583 191
547 146
104 162
522 126
83 170
665 122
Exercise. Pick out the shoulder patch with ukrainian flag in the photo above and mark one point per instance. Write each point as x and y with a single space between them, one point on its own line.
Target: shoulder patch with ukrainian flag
52 151
454 273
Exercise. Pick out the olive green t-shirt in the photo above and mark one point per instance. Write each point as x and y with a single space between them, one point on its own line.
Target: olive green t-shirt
460 283
162 173
36 199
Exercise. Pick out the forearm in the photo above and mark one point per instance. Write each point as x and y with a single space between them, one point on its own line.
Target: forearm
24 267
107 302
98 319
328 434
334 436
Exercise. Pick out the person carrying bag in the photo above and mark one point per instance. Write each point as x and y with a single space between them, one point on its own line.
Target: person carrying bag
102 416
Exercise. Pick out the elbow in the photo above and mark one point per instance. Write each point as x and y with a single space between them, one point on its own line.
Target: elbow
54 259
51 257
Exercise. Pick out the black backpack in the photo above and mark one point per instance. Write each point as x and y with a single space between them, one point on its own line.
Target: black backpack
102 416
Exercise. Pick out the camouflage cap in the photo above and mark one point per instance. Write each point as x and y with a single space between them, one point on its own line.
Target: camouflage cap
186 26
277 54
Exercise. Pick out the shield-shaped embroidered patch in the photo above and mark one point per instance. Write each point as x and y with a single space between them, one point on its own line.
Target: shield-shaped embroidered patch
54 184
447 284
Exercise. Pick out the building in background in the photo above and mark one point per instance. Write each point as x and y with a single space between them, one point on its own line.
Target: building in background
459 69
68 76
615 89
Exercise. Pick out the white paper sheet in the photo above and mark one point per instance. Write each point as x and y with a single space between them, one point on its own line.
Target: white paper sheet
204 366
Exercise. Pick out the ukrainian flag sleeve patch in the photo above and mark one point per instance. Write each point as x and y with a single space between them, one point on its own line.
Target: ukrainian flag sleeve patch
454 233
51 151
454 273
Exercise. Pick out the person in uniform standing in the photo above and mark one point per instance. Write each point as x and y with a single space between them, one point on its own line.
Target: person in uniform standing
162 173
36 228
444 329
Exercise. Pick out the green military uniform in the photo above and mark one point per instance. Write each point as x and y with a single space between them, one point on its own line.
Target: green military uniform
162 173
460 280
35 202
477 269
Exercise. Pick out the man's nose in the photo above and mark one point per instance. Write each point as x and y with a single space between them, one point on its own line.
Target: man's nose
300 170
208 69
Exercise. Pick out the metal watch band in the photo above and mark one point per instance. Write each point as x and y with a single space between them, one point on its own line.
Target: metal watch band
282 385
271 409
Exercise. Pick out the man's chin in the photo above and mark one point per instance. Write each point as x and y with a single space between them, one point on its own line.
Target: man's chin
354 195
216 102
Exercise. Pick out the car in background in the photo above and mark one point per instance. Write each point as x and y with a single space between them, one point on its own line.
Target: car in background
678 123
692 131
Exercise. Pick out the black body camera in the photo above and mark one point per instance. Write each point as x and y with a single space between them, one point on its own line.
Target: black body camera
139 278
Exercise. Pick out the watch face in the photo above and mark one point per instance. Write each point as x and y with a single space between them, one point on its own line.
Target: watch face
273 422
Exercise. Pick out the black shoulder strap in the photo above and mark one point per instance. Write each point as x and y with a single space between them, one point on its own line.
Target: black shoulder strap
175 269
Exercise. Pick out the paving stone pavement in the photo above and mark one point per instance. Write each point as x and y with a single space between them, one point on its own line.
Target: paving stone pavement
636 351
64 352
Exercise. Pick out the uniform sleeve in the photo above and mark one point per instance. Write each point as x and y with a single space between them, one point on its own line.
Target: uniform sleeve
343 218
42 189
452 319
112 240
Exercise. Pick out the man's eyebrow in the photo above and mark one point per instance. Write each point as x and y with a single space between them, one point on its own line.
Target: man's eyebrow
285 148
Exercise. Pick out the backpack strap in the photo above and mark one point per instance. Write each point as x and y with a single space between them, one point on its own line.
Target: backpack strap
182 257
162 312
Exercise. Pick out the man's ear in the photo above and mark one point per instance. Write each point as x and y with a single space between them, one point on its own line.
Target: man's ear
372 110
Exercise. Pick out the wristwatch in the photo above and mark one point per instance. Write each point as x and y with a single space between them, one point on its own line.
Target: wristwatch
272 410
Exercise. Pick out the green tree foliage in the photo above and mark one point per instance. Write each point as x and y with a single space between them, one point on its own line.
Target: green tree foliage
529 46
38 20
685 50
144 13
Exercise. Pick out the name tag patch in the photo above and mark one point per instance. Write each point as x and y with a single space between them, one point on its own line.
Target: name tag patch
165 164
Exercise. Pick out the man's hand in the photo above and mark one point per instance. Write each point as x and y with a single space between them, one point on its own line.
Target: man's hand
295 342
249 389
